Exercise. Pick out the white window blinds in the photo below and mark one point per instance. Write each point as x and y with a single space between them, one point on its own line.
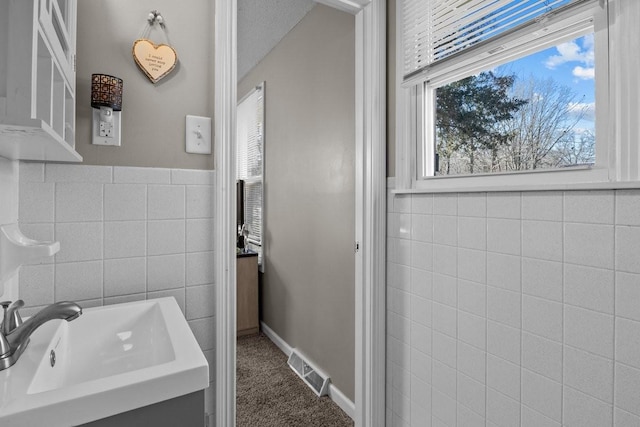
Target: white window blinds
249 159
253 210
437 29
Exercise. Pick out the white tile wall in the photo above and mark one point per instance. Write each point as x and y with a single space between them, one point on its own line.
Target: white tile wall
527 313
125 276
503 376
125 239
166 237
126 234
38 197
78 202
166 272
166 202
9 177
504 271
583 410
125 202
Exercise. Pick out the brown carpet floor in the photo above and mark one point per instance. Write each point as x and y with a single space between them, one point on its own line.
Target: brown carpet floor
270 394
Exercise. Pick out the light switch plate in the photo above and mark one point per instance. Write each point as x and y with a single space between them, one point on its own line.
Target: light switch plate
198 135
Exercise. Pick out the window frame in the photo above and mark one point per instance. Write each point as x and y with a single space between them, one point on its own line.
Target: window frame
255 244
414 99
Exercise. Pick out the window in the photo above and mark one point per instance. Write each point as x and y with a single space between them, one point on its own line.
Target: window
536 112
495 87
250 164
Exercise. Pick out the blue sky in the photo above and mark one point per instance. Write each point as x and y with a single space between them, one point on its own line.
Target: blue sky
570 64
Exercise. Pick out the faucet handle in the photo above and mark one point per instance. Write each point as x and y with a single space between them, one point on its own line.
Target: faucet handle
5 305
11 316
5 348
15 319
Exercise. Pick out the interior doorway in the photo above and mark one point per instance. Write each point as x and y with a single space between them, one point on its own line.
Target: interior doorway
308 282
369 204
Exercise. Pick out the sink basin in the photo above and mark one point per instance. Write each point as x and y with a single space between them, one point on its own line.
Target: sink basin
110 360
137 338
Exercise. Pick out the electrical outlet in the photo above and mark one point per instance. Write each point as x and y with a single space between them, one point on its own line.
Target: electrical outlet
106 133
106 129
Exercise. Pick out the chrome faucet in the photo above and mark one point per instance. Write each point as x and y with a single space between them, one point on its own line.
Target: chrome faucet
14 334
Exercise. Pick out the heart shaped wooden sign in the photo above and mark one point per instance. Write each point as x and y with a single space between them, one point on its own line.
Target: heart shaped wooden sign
156 61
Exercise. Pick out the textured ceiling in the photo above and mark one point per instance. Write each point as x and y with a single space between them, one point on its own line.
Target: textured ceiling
262 24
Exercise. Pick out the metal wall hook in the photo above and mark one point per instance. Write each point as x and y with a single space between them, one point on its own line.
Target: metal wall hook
155 16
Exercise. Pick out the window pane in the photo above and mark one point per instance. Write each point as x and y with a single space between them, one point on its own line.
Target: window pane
537 112
253 210
250 165
249 147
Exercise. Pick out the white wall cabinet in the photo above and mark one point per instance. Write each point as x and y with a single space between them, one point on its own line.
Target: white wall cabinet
37 80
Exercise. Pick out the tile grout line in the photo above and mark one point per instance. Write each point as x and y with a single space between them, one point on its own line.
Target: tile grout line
562 348
146 246
55 238
104 267
457 245
615 275
104 232
408 309
521 305
433 259
486 307
184 285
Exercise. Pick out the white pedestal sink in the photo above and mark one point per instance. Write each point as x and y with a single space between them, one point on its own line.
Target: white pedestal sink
110 360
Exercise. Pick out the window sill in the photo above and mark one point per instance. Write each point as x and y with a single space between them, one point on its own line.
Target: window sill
578 186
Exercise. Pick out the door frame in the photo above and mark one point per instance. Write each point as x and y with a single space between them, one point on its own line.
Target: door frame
370 208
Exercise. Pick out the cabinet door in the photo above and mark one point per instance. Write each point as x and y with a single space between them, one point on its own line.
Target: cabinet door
247 295
58 21
37 87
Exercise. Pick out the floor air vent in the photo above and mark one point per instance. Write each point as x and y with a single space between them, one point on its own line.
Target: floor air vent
317 380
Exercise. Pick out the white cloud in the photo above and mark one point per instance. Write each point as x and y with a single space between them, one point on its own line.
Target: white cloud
580 131
583 73
580 50
583 110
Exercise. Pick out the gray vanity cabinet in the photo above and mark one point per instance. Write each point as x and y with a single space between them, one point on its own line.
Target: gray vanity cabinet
183 411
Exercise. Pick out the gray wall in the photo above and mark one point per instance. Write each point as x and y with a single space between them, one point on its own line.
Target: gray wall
261 26
153 115
308 290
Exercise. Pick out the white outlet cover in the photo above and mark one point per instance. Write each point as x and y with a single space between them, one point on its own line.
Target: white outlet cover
115 138
198 135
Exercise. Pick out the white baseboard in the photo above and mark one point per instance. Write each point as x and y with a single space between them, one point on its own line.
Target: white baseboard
334 392
342 401
282 345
